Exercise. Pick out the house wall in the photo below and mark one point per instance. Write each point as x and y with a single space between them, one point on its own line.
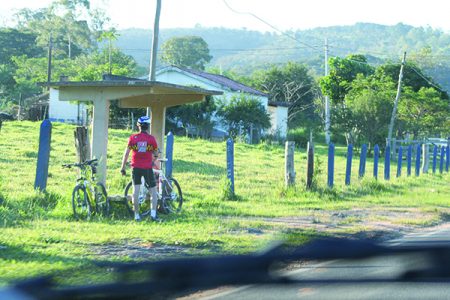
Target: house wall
176 77
64 111
278 119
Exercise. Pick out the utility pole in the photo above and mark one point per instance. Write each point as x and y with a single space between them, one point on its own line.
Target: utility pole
394 110
49 66
327 99
152 70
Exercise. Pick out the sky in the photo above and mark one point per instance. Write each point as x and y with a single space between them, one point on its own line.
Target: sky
261 15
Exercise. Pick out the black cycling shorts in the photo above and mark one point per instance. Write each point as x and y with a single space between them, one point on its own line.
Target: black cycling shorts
137 174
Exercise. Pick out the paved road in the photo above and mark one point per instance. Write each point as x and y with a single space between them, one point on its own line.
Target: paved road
374 268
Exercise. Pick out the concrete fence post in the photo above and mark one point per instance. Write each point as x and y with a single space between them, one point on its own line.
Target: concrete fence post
330 165
376 157
399 161
289 163
348 169
169 154
362 161
45 135
310 166
230 163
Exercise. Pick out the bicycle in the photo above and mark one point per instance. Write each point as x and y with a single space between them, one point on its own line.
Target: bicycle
170 197
88 192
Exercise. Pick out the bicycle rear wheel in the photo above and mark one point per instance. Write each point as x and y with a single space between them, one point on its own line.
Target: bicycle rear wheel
172 196
81 206
144 198
102 205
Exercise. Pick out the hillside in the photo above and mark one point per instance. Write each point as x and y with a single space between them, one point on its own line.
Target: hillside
244 51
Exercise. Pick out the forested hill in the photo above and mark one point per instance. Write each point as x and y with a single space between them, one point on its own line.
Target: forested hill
243 51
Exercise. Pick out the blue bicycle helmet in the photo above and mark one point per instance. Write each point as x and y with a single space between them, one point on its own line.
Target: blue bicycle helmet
144 120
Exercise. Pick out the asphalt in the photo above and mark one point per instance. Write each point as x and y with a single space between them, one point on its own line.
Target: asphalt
372 278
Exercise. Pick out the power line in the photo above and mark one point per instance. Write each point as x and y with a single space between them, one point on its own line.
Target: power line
271 26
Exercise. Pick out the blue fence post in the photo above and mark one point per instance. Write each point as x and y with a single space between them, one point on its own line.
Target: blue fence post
330 165
230 163
448 158
348 169
45 136
376 157
418 154
362 161
399 161
409 161
442 160
169 154
387 163
435 151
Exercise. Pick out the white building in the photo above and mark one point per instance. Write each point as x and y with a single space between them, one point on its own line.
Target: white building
65 112
182 76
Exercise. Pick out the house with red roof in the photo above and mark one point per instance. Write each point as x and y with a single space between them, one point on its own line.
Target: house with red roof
278 111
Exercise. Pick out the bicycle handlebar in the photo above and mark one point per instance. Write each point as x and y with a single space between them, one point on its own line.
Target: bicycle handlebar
91 163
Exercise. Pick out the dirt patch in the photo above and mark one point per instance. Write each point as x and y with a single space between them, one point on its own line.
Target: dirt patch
377 224
137 249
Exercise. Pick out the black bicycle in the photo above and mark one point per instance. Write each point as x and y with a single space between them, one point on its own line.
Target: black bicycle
88 192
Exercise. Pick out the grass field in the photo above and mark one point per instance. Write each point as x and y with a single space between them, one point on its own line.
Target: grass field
39 236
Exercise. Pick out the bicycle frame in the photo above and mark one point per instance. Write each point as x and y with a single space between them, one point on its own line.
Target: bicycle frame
86 182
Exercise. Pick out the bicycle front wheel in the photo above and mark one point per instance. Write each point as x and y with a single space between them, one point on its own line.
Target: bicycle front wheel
173 198
144 198
81 206
102 205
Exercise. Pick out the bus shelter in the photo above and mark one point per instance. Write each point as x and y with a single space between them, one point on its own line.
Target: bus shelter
131 93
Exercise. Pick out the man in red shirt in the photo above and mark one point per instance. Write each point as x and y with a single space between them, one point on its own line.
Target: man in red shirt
143 146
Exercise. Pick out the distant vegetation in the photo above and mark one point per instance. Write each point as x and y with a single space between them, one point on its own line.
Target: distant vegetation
243 51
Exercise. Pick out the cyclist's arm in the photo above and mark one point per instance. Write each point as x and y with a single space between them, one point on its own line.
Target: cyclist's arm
125 157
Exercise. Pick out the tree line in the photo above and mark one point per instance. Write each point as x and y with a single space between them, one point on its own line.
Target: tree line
361 93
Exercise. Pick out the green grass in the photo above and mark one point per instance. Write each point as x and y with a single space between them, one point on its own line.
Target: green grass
39 236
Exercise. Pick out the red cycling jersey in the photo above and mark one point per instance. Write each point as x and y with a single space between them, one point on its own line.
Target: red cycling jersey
142 145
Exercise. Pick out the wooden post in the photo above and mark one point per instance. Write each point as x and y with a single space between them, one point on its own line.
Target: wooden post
169 154
330 165
399 161
376 157
348 168
387 163
310 166
230 163
43 155
82 145
362 161
409 161
289 163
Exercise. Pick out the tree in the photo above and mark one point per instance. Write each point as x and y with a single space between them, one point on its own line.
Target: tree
241 114
188 51
370 105
290 83
342 72
67 21
424 112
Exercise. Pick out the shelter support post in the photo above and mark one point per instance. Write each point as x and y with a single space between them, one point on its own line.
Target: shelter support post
158 124
100 136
